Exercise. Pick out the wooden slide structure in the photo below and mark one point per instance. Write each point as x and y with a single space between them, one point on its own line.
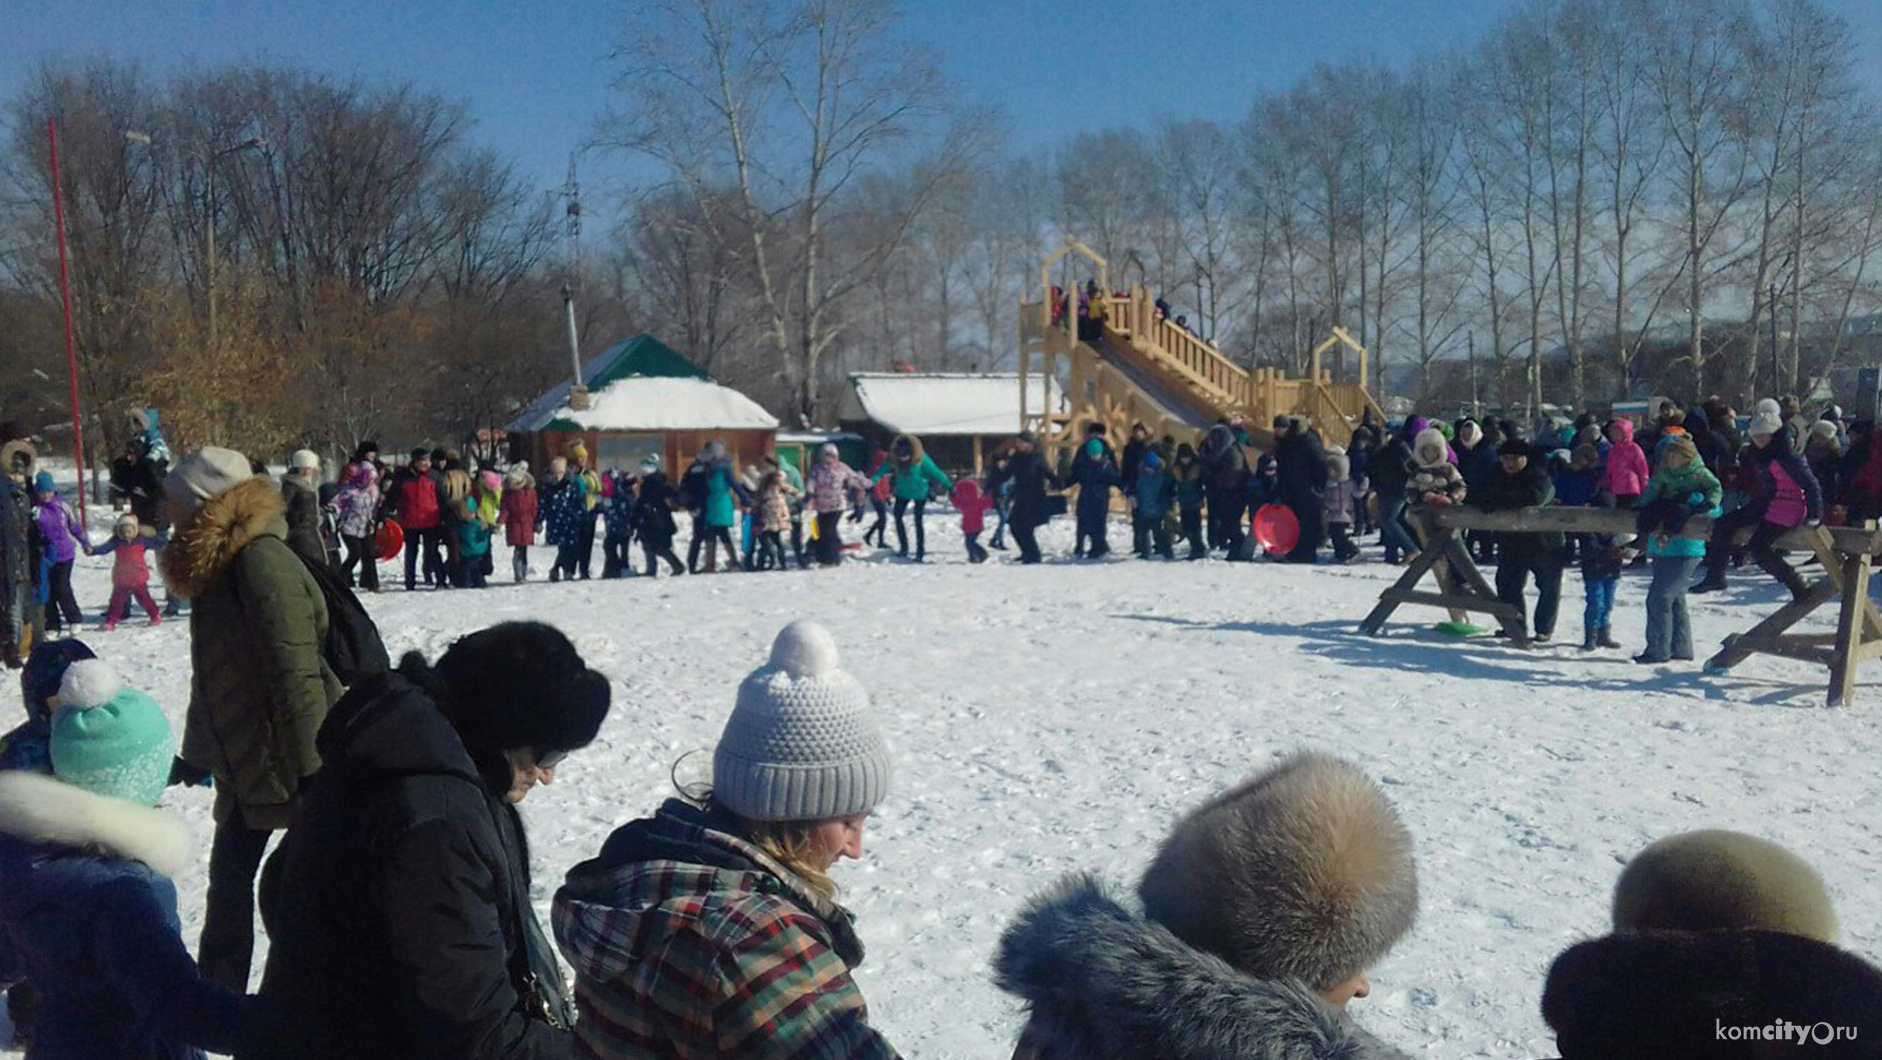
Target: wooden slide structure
1847 553
1145 369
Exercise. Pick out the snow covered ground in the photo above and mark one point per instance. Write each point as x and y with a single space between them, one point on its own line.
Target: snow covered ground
1057 718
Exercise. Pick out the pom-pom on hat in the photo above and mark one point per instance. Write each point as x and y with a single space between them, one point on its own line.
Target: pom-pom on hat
1304 873
802 743
1717 880
108 739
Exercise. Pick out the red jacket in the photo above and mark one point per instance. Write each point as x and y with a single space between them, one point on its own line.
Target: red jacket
417 503
518 515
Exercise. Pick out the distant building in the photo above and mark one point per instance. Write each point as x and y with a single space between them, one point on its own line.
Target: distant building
644 398
959 418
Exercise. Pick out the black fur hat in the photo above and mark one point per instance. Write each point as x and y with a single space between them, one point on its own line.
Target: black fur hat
516 685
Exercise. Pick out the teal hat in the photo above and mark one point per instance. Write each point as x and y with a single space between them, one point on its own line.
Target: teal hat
43 483
1094 448
108 739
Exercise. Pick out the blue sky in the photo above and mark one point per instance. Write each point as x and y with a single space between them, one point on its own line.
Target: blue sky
536 74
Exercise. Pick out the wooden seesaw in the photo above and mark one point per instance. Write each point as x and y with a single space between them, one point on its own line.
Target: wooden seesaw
1847 553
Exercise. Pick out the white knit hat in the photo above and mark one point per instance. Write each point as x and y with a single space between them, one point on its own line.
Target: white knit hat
209 472
1765 423
802 744
304 460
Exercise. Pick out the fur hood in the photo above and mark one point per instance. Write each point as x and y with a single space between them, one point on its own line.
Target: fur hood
203 551
1104 983
44 811
917 452
1660 995
17 459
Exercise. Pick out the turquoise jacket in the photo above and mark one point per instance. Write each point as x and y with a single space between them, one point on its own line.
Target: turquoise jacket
918 482
721 497
1695 487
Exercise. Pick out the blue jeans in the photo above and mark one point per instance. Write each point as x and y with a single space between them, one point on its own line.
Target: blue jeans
1600 597
1669 631
1397 540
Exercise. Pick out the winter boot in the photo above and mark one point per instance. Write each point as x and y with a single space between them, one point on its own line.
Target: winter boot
1590 639
1606 639
711 566
1711 583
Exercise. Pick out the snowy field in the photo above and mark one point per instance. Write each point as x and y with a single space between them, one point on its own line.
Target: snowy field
1057 718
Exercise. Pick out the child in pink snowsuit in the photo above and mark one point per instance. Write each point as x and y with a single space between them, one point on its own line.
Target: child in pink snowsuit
130 572
973 505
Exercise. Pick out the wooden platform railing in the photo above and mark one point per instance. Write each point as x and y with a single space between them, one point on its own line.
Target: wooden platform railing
1847 553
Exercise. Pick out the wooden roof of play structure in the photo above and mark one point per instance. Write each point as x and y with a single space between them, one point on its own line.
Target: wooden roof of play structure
642 384
1145 369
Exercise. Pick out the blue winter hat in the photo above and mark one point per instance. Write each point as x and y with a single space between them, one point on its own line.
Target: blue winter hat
108 739
43 483
45 668
1152 461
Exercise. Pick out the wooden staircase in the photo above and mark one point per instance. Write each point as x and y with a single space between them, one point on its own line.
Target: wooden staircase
1147 370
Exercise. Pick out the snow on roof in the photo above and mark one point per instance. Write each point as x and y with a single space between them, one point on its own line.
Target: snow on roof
663 404
945 404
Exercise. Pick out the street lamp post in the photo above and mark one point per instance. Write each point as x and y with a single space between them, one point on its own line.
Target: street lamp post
254 144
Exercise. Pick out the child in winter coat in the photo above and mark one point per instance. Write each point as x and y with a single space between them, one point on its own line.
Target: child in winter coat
1437 482
1601 563
1785 495
473 533
358 502
1681 489
87 907
517 514
1190 486
563 512
1153 495
1095 474
1627 472
973 506
618 510
653 518
711 929
1340 495
130 572
1188 969
774 517
62 537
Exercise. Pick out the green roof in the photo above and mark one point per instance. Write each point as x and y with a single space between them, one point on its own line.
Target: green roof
642 355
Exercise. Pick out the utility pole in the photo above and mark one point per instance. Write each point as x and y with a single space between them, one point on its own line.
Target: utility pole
1777 364
255 144
572 192
65 290
1476 398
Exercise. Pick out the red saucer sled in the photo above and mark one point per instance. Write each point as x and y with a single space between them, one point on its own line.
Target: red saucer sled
1276 529
390 540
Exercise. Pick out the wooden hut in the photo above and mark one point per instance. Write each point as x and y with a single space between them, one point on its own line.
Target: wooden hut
644 398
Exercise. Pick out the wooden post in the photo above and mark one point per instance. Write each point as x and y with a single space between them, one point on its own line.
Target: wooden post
980 466
1851 629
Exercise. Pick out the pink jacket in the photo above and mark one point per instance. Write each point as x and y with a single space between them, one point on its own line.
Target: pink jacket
1626 473
973 506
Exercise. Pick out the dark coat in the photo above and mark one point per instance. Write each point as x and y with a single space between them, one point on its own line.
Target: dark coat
1132 462
1104 983
1300 466
1030 479
303 515
389 908
563 509
1529 488
653 511
19 567
1662 995
92 926
1391 468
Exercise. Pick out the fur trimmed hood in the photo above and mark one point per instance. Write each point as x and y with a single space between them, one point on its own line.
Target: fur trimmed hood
917 452
228 523
1661 995
17 459
1104 983
48 812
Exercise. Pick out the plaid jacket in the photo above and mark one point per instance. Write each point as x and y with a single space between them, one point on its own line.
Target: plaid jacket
689 943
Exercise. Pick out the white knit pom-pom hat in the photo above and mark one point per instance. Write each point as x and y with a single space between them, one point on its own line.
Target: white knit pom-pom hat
802 743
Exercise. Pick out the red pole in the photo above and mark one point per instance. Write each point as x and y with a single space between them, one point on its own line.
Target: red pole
65 287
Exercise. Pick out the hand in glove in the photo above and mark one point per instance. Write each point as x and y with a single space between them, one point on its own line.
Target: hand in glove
182 772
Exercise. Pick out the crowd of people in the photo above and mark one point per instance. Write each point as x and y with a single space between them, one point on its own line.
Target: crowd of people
397 904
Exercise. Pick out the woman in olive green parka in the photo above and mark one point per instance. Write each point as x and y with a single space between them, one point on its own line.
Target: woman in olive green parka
259 684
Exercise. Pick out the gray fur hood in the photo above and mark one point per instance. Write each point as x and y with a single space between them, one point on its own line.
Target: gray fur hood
1104 983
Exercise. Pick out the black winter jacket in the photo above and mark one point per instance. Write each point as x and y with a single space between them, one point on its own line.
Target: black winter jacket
1529 488
1027 472
393 932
